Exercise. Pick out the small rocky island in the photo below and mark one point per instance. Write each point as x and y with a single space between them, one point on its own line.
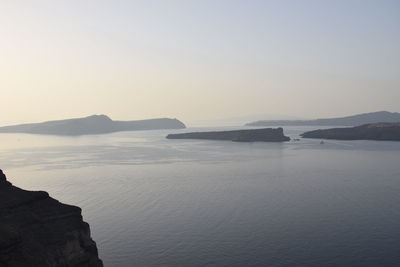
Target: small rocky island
253 135
374 131
37 230
95 124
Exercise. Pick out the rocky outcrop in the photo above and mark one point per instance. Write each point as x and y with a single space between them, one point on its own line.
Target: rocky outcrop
95 124
37 230
262 135
374 131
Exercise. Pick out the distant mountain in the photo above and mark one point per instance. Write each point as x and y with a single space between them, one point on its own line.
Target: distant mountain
240 120
95 124
355 120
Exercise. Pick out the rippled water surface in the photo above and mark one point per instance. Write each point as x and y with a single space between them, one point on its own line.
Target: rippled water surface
157 202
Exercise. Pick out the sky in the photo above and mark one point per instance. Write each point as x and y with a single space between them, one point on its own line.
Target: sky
197 60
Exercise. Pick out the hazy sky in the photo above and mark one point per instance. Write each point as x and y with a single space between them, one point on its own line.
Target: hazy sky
197 60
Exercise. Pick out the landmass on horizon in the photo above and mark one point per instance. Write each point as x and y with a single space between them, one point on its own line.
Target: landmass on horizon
254 135
354 120
95 124
374 131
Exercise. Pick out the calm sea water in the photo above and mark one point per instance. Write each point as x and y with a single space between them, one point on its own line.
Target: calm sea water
157 202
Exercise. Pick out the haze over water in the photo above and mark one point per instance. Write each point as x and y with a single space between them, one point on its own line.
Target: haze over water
152 201
197 60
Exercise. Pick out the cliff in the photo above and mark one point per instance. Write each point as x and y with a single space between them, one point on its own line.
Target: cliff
375 131
37 230
354 120
95 124
263 135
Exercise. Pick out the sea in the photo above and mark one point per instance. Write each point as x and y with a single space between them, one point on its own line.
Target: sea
151 201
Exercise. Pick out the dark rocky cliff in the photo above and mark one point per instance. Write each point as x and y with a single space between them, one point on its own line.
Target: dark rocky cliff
262 135
374 131
37 230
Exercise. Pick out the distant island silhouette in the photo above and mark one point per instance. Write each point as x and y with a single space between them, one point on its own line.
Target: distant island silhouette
355 120
95 124
253 135
374 131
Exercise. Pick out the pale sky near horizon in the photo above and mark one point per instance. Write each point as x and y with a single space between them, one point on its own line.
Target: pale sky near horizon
197 60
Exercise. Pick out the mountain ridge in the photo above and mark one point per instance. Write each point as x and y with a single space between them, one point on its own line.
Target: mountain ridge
353 120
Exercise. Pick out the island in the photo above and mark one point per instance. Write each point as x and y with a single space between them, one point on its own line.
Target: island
37 230
253 135
95 124
355 120
374 131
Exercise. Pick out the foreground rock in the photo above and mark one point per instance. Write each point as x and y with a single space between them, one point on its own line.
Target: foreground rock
37 230
354 120
96 124
374 131
262 135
